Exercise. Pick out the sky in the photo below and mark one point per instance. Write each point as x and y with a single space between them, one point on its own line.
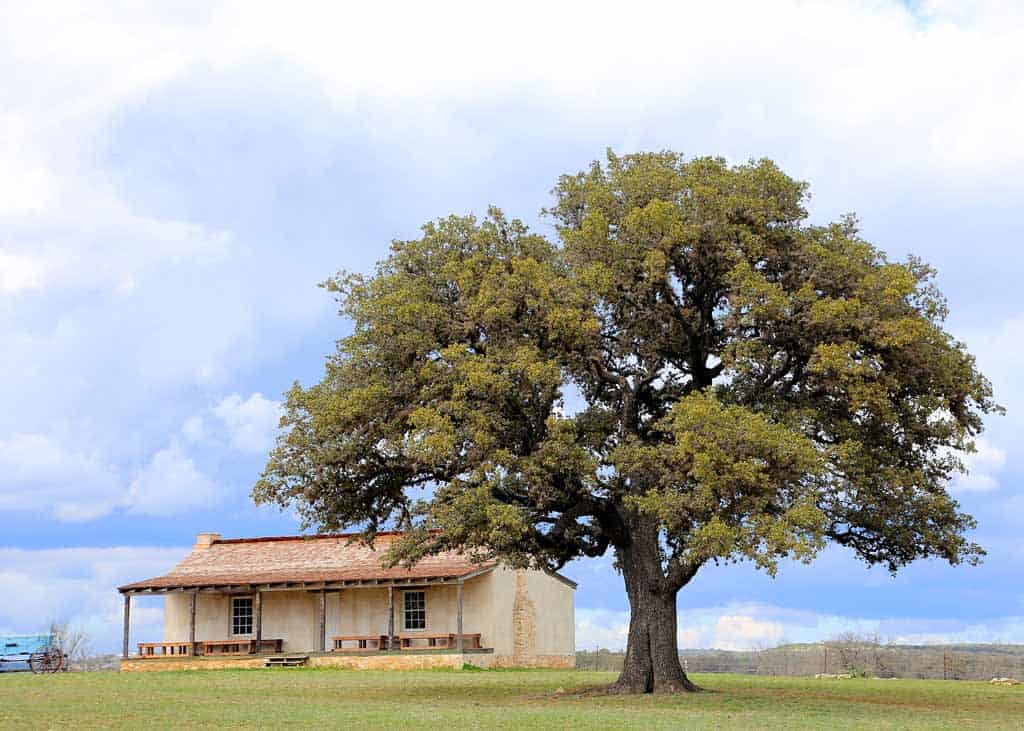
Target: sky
175 179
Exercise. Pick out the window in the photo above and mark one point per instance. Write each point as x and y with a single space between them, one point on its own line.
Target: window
415 610
241 615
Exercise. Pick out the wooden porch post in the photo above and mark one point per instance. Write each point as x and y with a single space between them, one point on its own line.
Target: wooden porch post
341 614
258 619
127 624
323 620
458 615
391 616
192 622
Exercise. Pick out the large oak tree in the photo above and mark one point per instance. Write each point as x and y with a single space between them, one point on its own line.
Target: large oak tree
691 374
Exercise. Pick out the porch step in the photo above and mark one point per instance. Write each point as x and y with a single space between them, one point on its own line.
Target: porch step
286 661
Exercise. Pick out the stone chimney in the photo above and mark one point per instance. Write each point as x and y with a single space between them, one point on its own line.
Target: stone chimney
205 540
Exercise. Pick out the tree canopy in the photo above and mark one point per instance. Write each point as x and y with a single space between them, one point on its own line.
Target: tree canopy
691 373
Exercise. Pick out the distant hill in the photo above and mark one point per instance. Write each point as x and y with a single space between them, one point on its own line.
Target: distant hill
1008 649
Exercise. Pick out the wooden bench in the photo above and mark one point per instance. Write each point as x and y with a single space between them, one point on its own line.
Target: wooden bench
362 643
226 647
240 646
149 649
268 645
439 641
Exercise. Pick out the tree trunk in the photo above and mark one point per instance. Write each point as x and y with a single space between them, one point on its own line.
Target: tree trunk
652 650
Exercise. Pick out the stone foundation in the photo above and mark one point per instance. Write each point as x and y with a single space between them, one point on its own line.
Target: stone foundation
551 662
375 661
140 665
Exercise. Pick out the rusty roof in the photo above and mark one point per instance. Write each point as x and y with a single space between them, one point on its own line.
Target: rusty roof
323 559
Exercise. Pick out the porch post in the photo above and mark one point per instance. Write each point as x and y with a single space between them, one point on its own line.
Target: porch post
323 620
341 614
458 615
127 624
193 598
391 616
258 619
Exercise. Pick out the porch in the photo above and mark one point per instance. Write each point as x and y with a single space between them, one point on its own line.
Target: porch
382 660
352 618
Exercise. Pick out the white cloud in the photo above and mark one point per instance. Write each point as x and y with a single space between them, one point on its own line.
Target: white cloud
941 87
983 466
251 423
749 626
734 627
19 273
1000 354
601 628
997 630
194 429
26 186
245 425
170 484
38 474
741 631
79 585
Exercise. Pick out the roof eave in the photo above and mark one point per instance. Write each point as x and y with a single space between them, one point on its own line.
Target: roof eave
152 587
564 579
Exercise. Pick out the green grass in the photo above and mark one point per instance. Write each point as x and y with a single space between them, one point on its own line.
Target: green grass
490 699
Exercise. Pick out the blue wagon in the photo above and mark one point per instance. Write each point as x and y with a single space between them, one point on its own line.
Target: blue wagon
38 653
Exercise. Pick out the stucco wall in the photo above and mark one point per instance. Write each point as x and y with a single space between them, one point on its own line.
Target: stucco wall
502 590
213 617
293 616
533 615
288 615
364 611
522 615
554 604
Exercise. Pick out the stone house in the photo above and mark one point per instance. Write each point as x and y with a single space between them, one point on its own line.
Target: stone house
329 600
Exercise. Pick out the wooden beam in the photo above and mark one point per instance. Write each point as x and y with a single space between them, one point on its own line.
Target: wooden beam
341 624
391 615
258 619
458 616
192 619
400 583
322 625
127 625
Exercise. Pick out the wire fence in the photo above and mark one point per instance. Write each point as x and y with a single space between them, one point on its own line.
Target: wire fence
860 660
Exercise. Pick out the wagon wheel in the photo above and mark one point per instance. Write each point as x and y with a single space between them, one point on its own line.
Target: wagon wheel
50 660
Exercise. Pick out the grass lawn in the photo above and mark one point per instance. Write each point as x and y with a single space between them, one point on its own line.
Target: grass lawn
490 699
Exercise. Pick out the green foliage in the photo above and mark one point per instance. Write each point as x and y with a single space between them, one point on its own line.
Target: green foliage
718 454
752 385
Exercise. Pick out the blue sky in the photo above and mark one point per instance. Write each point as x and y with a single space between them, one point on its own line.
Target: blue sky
175 180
